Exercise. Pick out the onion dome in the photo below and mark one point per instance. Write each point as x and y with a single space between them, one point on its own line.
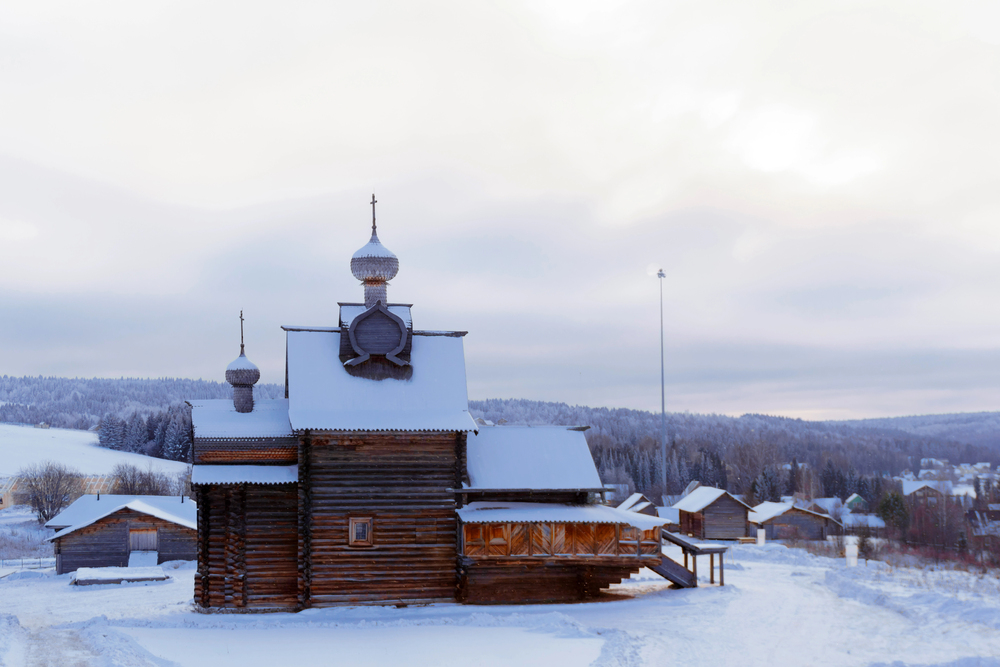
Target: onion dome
373 265
243 374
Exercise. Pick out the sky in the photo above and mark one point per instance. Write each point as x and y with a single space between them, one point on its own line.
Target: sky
818 182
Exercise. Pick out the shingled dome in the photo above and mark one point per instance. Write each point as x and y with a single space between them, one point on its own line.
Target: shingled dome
243 375
374 264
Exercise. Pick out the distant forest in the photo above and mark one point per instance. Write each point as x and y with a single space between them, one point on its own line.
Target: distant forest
751 454
146 416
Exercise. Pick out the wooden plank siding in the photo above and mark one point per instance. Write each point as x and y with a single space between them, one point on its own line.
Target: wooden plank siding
724 519
549 562
105 543
795 524
404 482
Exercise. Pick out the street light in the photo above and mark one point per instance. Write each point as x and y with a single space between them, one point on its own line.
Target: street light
663 390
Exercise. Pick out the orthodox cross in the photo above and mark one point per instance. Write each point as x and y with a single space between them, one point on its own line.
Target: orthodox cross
241 333
374 201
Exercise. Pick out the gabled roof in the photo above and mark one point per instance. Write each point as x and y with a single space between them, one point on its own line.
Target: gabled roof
530 457
217 418
769 510
631 500
91 511
702 497
829 504
323 396
497 512
942 486
89 505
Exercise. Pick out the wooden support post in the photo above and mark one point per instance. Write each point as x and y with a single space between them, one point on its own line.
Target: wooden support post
694 561
722 572
686 560
711 568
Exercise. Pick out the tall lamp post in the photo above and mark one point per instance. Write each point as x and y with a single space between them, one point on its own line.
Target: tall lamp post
663 390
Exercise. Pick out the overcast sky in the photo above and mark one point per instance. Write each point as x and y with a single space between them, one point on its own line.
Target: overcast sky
820 182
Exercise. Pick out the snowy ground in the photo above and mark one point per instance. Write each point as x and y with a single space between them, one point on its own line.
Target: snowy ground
21 446
779 607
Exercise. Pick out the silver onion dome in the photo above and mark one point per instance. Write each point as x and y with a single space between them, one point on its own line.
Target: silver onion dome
374 264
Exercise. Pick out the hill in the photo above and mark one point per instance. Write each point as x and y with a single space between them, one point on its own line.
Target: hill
21 446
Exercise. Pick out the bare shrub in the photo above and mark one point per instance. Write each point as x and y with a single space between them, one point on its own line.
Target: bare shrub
48 487
130 480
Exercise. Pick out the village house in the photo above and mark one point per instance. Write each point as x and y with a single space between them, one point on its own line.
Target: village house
709 513
927 493
118 531
370 482
786 521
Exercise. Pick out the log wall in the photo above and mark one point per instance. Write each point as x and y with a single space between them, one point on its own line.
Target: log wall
105 542
403 482
248 551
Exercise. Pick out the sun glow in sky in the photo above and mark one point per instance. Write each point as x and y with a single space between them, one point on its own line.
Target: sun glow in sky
818 180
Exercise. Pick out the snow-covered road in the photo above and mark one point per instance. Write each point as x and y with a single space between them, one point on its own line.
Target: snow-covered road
780 607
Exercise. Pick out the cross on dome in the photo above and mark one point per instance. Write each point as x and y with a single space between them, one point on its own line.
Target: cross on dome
374 265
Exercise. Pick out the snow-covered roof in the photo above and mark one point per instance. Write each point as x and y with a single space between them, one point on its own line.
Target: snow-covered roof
217 418
497 512
530 457
943 486
244 474
862 520
182 513
702 497
852 498
768 510
631 500
829 504
88 506
323 396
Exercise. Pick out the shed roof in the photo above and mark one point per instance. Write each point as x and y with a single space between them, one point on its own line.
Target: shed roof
217 418
530 457
829 504
182 513
702 497
634 499
244 474
496 512
323 396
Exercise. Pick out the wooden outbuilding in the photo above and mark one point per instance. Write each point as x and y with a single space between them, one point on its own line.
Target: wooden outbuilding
110 531
709 513
370 482
786 521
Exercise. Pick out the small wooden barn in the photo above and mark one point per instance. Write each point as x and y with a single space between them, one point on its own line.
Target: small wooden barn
109 530
786 521
709 513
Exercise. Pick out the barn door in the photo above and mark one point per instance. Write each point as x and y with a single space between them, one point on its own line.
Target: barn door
142 539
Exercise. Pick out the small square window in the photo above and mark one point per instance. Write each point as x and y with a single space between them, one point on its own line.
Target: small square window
360 532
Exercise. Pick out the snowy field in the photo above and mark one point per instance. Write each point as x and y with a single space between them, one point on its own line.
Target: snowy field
779 607
22 446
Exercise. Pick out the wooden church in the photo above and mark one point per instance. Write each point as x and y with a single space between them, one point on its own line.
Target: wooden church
370 483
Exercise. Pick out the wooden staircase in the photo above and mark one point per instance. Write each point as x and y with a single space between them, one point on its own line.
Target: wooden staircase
675 572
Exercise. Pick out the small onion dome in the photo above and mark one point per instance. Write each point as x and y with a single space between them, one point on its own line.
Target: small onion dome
242 371
374 262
